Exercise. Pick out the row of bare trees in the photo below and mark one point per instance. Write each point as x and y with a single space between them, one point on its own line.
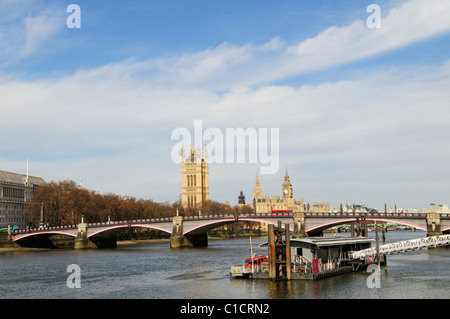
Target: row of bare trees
65 202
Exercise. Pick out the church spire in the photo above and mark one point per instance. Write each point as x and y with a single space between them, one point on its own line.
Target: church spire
257 180
257 191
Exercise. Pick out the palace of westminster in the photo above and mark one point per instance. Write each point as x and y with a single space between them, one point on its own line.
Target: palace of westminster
195 188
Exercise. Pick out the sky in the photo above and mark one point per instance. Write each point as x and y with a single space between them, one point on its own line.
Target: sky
362 112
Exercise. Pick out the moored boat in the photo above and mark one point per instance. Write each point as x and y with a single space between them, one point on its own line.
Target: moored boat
310 258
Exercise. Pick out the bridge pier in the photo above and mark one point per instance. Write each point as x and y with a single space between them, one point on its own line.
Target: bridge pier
85 243
299 225
433 224
81 241
178 240
191 240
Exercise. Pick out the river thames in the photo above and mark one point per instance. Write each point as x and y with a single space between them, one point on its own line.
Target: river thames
153 270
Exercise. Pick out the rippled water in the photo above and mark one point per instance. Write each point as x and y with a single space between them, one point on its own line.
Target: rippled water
156 271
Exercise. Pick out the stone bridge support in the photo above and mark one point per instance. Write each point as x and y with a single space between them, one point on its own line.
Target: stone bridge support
83 242
433 224
299 225
178 239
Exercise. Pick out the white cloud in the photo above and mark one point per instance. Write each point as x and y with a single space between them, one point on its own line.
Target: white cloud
227 65
39 29
23 33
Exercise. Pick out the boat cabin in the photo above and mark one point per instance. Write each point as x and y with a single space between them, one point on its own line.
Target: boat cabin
327 249
255 261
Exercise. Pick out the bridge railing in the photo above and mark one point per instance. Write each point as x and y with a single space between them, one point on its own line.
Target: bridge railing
365 215
131 221
238 216
402 246
41 229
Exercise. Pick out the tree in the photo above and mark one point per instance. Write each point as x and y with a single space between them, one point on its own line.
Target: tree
65 202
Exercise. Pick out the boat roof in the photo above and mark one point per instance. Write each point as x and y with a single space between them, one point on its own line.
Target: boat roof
326 241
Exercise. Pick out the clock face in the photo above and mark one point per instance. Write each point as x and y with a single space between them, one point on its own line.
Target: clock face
286 191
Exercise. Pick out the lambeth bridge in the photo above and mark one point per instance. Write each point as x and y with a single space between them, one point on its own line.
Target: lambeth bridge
192 230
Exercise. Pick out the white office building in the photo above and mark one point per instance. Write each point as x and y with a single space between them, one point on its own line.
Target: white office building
15 191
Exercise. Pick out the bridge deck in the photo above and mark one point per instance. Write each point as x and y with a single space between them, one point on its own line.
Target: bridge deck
319 215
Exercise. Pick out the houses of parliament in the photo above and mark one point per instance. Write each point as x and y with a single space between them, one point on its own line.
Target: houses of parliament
195 188
263 203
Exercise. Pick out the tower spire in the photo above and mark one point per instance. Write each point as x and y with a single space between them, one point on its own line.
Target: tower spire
257 191
257 184
26 179
183 155
286 175
205 153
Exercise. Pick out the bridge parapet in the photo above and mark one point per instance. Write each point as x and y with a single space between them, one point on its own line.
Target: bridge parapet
366 215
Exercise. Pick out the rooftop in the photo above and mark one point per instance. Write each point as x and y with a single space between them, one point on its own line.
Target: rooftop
19 178
325 241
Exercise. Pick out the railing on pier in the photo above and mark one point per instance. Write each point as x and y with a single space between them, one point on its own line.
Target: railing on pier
402 246
301 264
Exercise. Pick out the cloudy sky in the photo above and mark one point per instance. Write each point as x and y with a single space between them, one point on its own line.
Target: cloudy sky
363 113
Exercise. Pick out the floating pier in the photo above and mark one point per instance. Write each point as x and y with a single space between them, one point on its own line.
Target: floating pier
305 258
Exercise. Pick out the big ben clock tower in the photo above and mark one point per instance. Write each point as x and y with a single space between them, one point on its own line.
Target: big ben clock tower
286 189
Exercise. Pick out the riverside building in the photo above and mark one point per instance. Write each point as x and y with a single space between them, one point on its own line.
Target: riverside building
15 191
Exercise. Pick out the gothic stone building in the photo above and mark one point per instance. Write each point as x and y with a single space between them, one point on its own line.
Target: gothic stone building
263 203
15 191
194 178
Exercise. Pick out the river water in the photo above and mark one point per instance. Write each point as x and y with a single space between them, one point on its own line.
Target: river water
156 271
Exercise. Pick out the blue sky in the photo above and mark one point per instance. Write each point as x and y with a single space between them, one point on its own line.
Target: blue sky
363 113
